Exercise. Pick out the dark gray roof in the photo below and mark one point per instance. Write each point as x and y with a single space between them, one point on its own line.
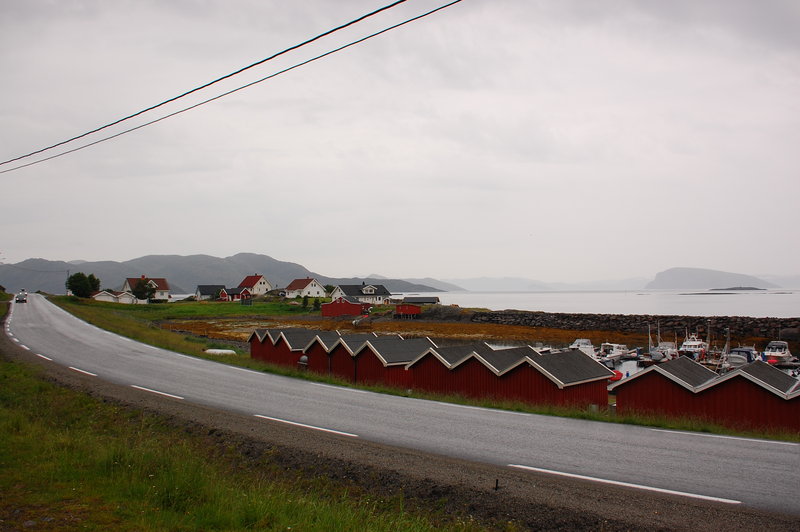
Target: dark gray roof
453 354
209 289
326 338
571 367
503 360
298 339
353 341
771 376
687 370
395 350
354 290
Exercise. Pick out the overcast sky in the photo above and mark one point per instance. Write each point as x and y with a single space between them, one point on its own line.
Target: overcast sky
553 140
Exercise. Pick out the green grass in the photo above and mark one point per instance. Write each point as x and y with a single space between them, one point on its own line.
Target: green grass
72 462
138 322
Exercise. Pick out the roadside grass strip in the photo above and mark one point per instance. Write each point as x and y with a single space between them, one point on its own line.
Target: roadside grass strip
164 394
323 429
627 484
737 438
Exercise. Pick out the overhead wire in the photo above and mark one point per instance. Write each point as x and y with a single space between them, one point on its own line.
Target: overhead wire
232 91
206 85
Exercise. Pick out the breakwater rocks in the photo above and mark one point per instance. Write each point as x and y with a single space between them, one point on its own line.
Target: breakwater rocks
740 326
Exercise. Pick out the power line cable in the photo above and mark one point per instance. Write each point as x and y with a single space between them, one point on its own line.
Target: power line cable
209 100
206 85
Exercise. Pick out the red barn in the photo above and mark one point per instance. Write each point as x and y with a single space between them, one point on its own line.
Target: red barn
316 352
344 306
290 344
756 396
340 354
262 344
435 369
383 360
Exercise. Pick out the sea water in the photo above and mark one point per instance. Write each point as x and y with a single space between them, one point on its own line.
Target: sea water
751 303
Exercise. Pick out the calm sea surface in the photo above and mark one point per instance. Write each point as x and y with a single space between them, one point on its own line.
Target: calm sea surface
755 303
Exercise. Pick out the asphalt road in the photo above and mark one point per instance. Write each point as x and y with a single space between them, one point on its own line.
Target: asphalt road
760 474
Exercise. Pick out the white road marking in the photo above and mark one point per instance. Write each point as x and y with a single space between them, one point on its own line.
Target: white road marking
725 437
25 347
83 371
323 429
44 357
628 485
15 339
341 388
165 394
483 409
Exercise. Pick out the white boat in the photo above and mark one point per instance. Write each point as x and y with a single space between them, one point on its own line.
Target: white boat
739 356
584 345
609 351
662 350
777 352
694 347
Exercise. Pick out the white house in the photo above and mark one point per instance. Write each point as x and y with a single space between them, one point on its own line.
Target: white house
256 284
377 294
305 287
159 283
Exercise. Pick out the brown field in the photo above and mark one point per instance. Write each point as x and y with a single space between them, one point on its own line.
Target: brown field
239 329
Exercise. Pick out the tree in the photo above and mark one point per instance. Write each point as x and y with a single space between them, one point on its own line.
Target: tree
82 285
305 301
143 289
317 304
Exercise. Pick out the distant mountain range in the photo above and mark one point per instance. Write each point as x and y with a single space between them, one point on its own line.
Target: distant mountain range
184 273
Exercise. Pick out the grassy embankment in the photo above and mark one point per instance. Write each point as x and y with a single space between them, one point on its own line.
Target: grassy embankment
139 323
69 462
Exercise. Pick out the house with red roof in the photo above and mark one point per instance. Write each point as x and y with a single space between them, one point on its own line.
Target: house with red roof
305 287
256 284
160 285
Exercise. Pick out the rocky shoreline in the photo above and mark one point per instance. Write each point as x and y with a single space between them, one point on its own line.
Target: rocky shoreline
740 326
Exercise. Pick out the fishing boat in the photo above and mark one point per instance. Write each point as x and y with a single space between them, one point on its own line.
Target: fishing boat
739 356
584 345
694 347
661 351
777 352
613 352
